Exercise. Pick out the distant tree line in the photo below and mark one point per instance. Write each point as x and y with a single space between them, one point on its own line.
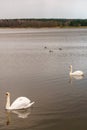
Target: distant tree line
38 23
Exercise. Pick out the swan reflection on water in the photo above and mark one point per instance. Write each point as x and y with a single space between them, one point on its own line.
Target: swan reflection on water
24 113
75 77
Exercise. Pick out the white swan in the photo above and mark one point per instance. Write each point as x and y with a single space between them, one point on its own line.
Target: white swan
75 73
19 103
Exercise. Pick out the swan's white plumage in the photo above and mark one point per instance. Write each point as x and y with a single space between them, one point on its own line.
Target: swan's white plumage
75 73
19 103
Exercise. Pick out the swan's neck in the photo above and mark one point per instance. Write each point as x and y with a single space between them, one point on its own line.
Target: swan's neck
70 69
8 102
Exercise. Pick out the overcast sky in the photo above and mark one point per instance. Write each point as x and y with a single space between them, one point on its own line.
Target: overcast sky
43 9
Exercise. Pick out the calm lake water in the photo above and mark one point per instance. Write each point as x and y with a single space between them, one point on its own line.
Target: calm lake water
28 69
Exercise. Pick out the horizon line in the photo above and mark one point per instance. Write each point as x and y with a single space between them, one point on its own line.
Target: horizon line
43 18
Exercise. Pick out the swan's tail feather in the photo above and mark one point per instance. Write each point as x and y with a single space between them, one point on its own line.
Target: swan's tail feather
31 104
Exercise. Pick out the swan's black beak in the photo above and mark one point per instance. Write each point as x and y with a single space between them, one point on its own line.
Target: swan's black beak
7 94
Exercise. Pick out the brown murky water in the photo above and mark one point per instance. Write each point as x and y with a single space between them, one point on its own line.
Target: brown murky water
28 68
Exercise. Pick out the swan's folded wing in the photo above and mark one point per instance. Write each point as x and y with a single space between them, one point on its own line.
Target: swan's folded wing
20 103
78 72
